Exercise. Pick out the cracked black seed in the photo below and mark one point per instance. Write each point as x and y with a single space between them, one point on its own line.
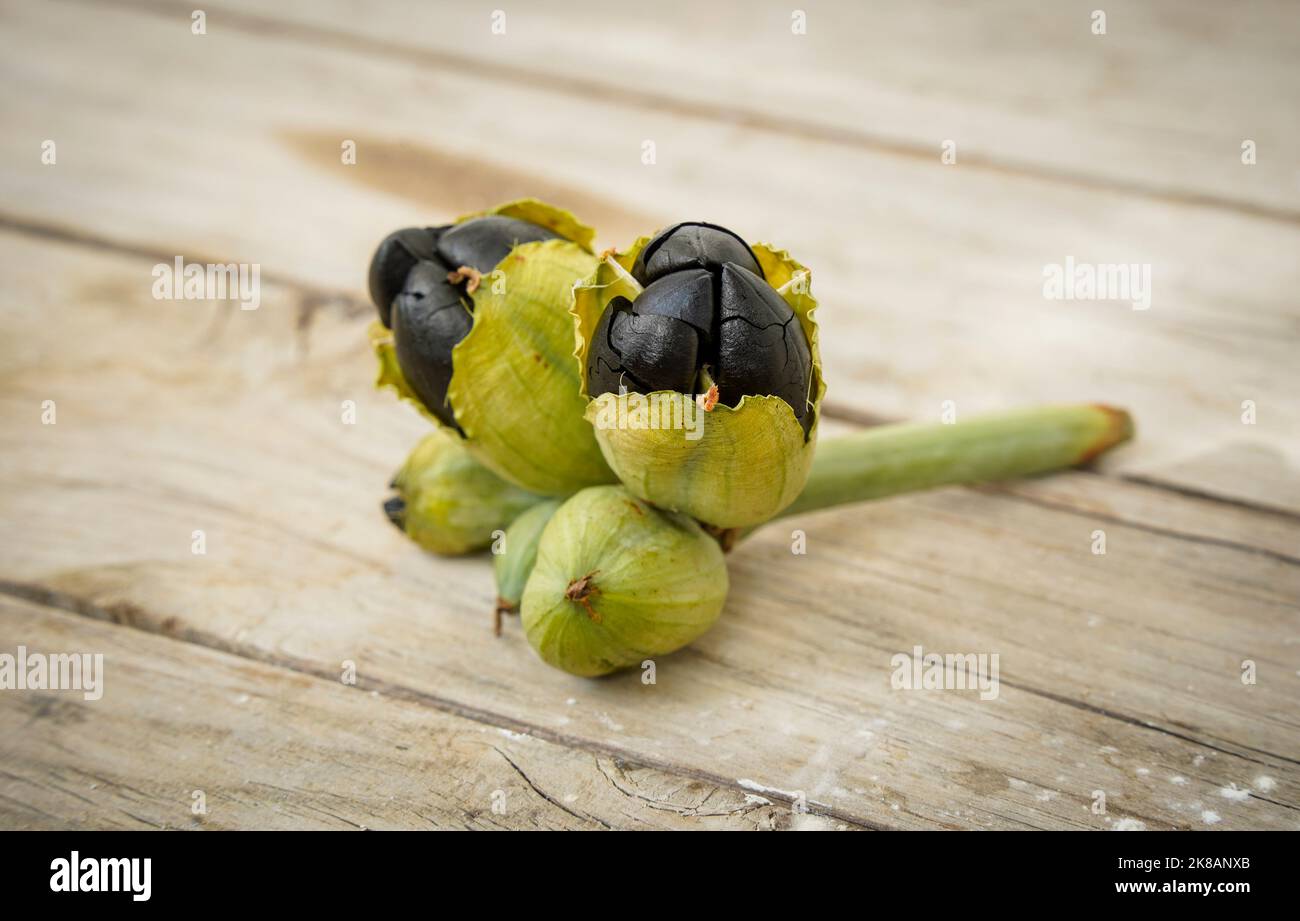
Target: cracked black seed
702 311
427 313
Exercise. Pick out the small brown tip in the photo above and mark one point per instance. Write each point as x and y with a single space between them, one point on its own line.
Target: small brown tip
726 537
580 591
466 273
503 608
1119 429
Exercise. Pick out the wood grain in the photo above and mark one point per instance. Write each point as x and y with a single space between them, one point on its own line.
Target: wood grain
931 276
272 748
1119 673
1158 106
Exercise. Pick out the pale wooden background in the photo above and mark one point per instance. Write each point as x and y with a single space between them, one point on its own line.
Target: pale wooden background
1119 672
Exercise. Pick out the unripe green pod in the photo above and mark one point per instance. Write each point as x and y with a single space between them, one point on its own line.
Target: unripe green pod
618 581
748 461
513 390
448 502
514 563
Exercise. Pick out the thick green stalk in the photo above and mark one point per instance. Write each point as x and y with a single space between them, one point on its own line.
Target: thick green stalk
892 459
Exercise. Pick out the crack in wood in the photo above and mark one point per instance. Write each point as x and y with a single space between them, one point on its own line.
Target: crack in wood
581 817
142 620
129 615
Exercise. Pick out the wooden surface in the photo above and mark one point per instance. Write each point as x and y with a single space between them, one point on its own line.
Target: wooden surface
1119 672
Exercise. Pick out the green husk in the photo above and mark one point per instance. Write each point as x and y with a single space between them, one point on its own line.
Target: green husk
515 388
453 503
512 566
607 534
617 582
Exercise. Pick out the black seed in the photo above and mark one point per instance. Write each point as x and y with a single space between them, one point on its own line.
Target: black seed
641 353
393 260
427 313
658 352
429 317
761 345
692 245
686 296
395 509
482 242
706 305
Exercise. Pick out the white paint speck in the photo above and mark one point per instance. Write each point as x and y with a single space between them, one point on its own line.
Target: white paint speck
571 701
1264 784
1142 772
1231 792
753 799
1129 825
1210 817
1198 760
571 798
512 735
748 784
1178 780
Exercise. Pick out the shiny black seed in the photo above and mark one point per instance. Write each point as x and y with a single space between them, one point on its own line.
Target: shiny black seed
692 245
429 317
482 242
393 260
686 296
428 313
702 310
395 509
642 353
761 345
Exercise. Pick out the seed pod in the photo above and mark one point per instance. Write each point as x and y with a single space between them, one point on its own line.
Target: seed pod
512 566
618 581
481 339
448 502
697 312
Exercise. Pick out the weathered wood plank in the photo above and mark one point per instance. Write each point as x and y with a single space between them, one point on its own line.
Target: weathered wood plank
1119 672
931 276
1160 104
272 748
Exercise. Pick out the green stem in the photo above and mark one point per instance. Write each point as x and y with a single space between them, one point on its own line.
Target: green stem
892 459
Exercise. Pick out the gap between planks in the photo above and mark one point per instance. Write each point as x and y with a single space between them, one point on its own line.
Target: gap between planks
786 125
130 616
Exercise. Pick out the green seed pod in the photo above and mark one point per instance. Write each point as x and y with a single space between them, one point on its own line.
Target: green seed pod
746 454
618 581
514 563
448 502
489 354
